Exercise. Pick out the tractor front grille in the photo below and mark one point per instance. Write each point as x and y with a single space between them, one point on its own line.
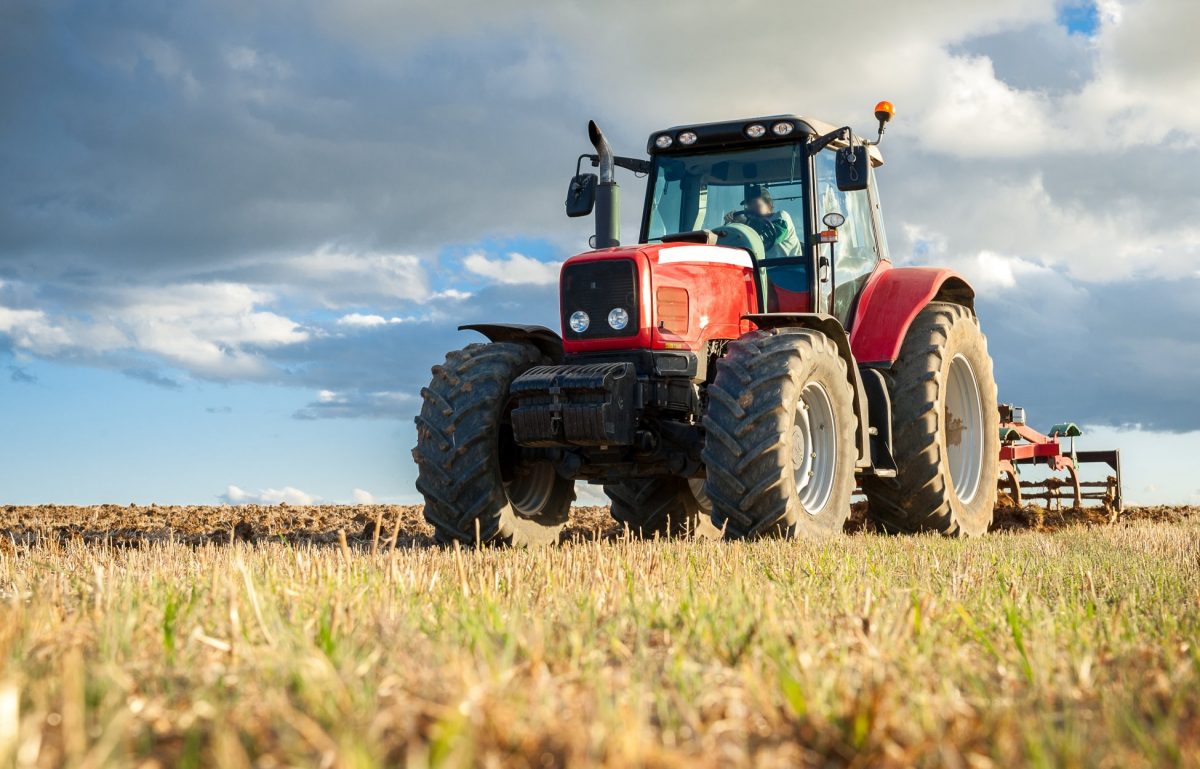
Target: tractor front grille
597 288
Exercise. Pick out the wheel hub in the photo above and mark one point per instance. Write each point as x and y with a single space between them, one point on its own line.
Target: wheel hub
963 428
531 488
814 450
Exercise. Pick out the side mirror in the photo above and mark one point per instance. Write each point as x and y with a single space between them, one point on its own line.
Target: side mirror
853 168
581 195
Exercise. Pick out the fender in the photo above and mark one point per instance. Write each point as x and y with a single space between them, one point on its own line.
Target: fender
544 339
891 301
832 328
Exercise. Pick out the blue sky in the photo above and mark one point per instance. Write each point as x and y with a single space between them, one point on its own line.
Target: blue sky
1080 18
233 239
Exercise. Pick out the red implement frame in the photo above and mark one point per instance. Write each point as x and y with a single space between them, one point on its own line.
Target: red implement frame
1020 445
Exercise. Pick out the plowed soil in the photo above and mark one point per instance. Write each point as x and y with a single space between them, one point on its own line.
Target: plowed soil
135 525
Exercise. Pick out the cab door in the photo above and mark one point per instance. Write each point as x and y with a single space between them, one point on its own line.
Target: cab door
858 248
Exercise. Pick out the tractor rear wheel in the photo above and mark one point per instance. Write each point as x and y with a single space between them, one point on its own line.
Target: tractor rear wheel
666 506
779 444
946 438
476 483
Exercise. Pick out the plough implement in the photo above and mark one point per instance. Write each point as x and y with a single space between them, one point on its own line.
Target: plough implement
1021 445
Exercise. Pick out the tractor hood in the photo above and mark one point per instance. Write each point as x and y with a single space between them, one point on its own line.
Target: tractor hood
664 296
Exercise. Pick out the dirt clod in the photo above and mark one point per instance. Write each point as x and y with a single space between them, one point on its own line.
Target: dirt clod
134 526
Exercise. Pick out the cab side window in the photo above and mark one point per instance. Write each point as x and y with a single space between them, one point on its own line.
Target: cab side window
857 251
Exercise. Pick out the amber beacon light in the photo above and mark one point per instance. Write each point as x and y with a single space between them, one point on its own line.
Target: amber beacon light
884 112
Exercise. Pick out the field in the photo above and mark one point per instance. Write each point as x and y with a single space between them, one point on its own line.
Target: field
239 637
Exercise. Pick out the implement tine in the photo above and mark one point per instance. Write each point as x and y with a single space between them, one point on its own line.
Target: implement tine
1113 460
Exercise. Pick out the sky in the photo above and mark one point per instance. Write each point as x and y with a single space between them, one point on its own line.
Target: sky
234 236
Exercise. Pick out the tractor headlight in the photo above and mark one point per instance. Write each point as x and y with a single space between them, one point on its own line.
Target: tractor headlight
618 318
580 321
756 130
664 141
687 137
782 129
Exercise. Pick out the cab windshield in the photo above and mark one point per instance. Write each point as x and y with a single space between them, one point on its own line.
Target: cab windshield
700 192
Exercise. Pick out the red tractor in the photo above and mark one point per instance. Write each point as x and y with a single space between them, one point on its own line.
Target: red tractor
755 357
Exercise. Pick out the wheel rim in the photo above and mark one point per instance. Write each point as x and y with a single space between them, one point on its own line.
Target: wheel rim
964 428
701 495
814 453
531 488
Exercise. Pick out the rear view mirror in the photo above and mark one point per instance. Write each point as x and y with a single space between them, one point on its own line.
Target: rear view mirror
581 195
852 168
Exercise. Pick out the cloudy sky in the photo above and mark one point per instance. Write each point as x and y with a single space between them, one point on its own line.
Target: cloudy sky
235 236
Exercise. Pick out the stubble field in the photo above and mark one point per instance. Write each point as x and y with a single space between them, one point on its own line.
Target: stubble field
339 636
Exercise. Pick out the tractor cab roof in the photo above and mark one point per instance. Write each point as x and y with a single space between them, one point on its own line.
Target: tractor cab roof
751 132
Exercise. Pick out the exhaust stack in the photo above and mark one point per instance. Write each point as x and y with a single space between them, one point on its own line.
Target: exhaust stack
608 193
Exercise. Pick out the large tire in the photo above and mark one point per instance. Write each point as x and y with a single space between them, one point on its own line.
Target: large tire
469 471
665 506
779 449
946 438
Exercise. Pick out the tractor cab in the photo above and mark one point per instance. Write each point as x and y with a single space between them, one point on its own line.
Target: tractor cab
763 186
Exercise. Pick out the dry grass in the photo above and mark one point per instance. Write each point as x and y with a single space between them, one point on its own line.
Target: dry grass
1074 647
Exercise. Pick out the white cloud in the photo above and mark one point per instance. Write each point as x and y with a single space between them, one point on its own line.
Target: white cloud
235 495
244 59
452 294
362 321
168 62
359 320
337 277
30 330
362 497
1146 85
210 329
972 113
206 328
331 404
994 270
1033 230
515 268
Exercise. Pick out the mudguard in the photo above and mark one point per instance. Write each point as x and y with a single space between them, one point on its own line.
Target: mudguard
891 300
541 337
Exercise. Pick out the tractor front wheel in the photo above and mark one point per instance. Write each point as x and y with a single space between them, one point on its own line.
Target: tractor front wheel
477 484
946 439
779 447
666 506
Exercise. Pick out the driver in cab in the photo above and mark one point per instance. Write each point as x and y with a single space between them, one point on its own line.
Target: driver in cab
776 229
